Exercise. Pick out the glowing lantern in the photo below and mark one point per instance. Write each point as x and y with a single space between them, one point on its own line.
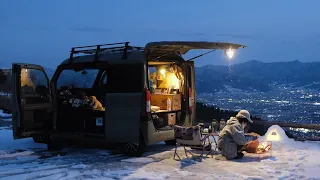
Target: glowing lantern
264 147
273 136
275 133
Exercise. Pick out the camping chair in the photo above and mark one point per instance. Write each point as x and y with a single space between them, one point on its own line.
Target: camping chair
191 137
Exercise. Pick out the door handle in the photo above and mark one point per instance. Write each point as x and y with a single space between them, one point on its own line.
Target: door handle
44 97
22 101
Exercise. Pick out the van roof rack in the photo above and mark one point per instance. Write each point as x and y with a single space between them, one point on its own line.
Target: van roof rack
96 49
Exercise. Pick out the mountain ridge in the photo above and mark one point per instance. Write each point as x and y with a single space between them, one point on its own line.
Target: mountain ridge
258 75
254 75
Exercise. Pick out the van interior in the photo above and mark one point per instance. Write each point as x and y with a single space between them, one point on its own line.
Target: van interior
166 84
81 94
80 101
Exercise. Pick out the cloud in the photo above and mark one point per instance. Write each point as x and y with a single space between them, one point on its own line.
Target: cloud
90 29
237 36
288 42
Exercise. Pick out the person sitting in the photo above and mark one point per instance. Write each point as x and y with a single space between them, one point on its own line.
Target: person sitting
232 139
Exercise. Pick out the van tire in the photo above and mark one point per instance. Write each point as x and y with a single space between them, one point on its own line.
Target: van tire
54 146
171 142
135 150
40 139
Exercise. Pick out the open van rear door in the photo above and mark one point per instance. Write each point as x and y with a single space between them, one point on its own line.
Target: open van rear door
32 103
182 47
191 85
160 49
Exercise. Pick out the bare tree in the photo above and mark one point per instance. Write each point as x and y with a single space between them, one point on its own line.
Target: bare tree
5 89
3 76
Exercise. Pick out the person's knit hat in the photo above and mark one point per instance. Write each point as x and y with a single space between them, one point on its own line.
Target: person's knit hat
244 114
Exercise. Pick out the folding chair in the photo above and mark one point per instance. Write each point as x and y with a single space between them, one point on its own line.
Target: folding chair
191 137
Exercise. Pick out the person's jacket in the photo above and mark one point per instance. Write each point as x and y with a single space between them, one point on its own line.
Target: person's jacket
230 137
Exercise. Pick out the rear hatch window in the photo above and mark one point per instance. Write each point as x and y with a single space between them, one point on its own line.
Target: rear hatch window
77 79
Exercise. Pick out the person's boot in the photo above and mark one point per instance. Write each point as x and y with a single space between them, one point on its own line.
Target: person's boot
239 156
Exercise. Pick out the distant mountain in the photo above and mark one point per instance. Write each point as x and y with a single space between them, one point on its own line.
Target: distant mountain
256 75
249 76
49 72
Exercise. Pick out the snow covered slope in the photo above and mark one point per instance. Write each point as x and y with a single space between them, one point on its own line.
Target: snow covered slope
4 115
24 159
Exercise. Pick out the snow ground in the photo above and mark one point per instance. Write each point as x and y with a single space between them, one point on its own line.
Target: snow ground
24 159
4 115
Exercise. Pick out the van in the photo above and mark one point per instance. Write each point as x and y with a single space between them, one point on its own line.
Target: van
109 93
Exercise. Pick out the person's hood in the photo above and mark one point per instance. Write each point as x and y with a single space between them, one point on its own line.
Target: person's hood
232 120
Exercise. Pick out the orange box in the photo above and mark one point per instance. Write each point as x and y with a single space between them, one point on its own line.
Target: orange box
171 118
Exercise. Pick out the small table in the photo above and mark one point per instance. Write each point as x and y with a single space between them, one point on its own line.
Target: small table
213 134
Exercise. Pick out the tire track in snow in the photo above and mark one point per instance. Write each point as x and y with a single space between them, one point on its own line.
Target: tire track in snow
55 165
29 171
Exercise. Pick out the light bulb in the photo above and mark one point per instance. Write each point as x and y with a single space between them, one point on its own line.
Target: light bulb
230 53
163 72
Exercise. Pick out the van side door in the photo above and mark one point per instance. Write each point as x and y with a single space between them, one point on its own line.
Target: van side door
32 103
124 102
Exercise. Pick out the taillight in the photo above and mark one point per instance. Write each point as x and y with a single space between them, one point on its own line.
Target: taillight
148 103
190 99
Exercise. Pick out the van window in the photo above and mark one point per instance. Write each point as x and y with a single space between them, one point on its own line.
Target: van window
31 79
165 79
34 82
151 70
77 79
104 78
125 78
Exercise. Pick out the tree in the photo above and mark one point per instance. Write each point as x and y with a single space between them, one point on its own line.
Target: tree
3 77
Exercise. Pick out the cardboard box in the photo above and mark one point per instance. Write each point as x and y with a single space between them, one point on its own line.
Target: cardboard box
161 101
171 118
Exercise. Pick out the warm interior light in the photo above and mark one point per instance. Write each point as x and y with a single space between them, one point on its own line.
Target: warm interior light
173 81
273 136
163 72
230 53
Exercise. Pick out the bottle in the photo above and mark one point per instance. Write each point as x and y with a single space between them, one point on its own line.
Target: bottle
214 125
222 124
168 104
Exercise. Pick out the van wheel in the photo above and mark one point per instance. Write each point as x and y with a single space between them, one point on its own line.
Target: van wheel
54 145
40 139
134 149
36 139
171 142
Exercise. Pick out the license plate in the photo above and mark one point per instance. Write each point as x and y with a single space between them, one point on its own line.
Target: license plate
99 121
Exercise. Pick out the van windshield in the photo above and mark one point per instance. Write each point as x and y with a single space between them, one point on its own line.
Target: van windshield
77 79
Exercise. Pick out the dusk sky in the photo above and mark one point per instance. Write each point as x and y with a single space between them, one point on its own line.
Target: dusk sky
43 32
